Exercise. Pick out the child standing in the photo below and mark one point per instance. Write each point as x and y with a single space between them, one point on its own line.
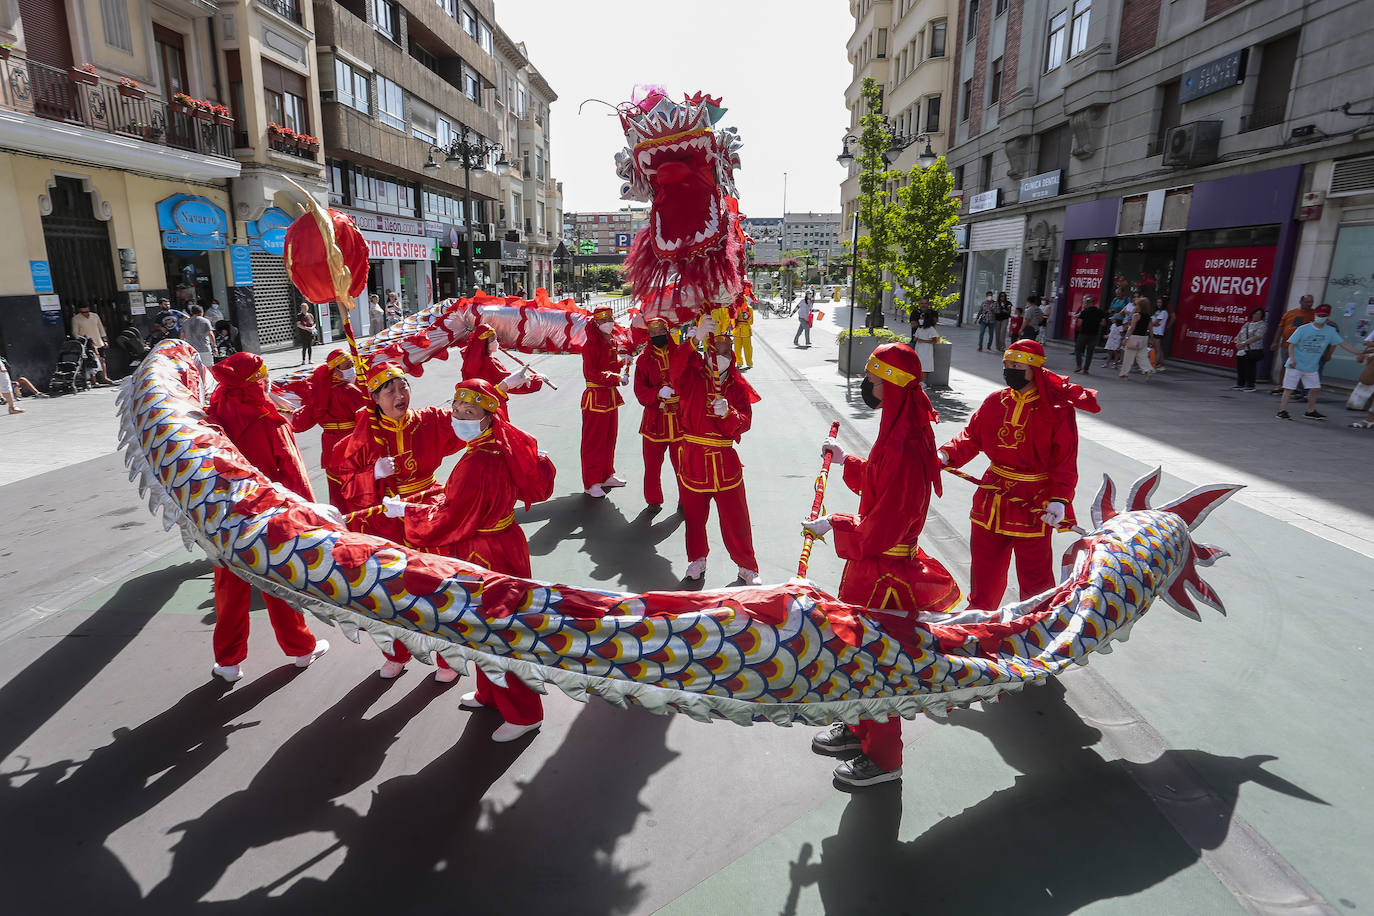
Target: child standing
1114 342
1018 318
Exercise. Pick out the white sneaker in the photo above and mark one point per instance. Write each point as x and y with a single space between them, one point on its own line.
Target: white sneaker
749 576
390 670
446 675
696 569
610 483
596 490
228 673
470 701
510 732
321 647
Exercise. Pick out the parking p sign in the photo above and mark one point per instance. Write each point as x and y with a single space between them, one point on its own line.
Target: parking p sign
622 240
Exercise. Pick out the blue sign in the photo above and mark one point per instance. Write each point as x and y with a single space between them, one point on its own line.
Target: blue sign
192 224
268 232
241 264
42 276
622 240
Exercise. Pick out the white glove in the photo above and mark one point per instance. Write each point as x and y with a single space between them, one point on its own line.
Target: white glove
702 332
393 507
818 527
625 378
720 407
833 446
516 378
325 510
1053 514
666 391
943 456
385 467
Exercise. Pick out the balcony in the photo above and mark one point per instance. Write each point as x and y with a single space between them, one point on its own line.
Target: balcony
287 9
128 126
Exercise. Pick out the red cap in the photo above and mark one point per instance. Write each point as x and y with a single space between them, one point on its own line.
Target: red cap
1323 309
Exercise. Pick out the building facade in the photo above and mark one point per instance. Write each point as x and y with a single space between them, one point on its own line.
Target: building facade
1216 155
609 231
817 233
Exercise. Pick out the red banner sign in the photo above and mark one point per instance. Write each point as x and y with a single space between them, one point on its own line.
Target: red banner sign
1220 288
1087 272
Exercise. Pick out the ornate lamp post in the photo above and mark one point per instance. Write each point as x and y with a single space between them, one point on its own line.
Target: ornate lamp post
473 156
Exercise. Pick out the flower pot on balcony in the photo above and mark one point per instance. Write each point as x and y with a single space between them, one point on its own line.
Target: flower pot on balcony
177 107
132 92
4 53
82 77
203 114
224 119
312 147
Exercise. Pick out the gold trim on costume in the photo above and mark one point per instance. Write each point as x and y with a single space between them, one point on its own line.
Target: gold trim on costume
1008 473
499 526
905 551
708 440
1021 356
473 396
888 372
337 427
415 486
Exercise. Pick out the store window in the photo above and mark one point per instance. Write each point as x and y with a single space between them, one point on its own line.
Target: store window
1350 292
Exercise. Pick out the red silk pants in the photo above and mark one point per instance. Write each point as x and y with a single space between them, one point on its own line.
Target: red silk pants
517 703
653 470
232 596
734 524
992 553
598 446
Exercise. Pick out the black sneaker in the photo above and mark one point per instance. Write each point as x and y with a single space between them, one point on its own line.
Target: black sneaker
1283 415
1237 387
861 772
835 740
1249 388
1314 415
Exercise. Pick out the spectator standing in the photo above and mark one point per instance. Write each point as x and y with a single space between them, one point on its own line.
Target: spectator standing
1136 336
999 343
1291 320
1121 301
987 322
1159 323
375 313
1090 319
199 333
169 319
803 320
86 323
1032 318
1249 350
1018 319
7 388
1114 339
394 311
305 333
923 342
213 313
1306 347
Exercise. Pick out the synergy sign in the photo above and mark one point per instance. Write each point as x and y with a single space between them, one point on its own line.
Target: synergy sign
1086 274
1220 288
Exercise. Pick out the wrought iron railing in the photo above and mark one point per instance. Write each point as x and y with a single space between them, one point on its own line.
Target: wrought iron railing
287 8
50 92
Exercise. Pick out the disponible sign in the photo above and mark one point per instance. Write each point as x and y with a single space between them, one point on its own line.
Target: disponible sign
1220 288
382 246
1086 275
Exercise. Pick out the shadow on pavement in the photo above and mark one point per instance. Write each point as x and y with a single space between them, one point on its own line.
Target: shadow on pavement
623 551
1071 830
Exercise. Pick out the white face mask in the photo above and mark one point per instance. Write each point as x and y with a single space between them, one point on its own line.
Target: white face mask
467 430
606 326
348 374
1319 321
722 363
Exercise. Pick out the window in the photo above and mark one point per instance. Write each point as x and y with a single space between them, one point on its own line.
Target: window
1001 7
1082 12
937 39
1054 44
472 86
386 18
470 24
995 84
114 17
539 164
967 107
932 114
172 56
446 133
959 177
485 40
1169 114
972 20
425 58
284 92
424 121
1055 145
350 87
882 43
390 103
987 172
1277 58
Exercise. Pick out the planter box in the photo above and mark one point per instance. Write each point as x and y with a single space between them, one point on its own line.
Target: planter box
225 120
81 77
5 53
937 376
202 115
863 347
130 92
178 107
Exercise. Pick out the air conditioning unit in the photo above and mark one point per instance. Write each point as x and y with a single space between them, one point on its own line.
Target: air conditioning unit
1194 144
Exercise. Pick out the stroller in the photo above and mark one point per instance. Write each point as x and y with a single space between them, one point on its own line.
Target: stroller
77 367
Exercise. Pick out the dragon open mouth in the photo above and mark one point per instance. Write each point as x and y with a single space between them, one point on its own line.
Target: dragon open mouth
686 214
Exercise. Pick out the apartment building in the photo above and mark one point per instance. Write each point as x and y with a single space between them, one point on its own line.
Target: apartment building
610 232
818 233
1214 154
905 46
766 231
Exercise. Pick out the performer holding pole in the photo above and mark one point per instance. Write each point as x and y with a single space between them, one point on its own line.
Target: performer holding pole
479 361
886 568
602 368
818 504
1029 431
661 428
331 398
716 407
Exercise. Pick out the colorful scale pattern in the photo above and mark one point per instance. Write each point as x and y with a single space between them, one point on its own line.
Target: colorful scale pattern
699 653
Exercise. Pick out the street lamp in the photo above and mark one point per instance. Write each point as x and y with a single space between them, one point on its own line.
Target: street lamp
899 143
472 155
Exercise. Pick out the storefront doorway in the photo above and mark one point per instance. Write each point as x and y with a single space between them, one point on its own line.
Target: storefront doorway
78 247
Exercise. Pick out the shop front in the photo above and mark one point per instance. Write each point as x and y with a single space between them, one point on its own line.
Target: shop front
993 258
402 252
195 236
275 300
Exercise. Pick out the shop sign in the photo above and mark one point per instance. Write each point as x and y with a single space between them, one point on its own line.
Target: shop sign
1040 187
381 222
180 241
50 303
1086 275
382 246
268 232
1214 76
985 201
191 224
1220 288
41 271
515 253
241 264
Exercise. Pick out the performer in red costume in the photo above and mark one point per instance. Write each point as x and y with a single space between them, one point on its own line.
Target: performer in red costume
660 428
479 361
332 399
393 451
1029 432
886 567
602 368
474 520
716 407
241 407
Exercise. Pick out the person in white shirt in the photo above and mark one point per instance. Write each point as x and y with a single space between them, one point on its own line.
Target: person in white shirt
86 323
803 321
199 333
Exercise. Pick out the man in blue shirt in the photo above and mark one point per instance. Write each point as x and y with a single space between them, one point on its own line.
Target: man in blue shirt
1306 347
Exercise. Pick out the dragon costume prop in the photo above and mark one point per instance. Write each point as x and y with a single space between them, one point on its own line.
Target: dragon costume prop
777 654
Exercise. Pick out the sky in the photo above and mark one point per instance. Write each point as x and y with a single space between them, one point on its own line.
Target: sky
779 65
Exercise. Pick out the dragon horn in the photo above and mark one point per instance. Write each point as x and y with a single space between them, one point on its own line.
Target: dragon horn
1103 507
1142 490
1195 505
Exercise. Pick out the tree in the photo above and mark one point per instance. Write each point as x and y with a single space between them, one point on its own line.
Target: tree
875 254
921 227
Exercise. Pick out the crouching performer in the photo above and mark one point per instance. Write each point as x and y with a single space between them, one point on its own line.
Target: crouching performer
474 521
886 568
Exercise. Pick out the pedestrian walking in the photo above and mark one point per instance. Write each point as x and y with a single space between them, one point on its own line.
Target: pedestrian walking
199 333
7 388
999 342
884 566
240 406
305 333
1249 350
1115 335
1136 336
1306 347
1089 319
803 322
1291 321
603 369
987 322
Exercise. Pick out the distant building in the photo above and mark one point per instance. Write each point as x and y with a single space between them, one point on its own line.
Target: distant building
611 231
766 231
818 233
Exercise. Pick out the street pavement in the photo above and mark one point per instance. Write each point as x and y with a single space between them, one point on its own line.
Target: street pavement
1203 767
